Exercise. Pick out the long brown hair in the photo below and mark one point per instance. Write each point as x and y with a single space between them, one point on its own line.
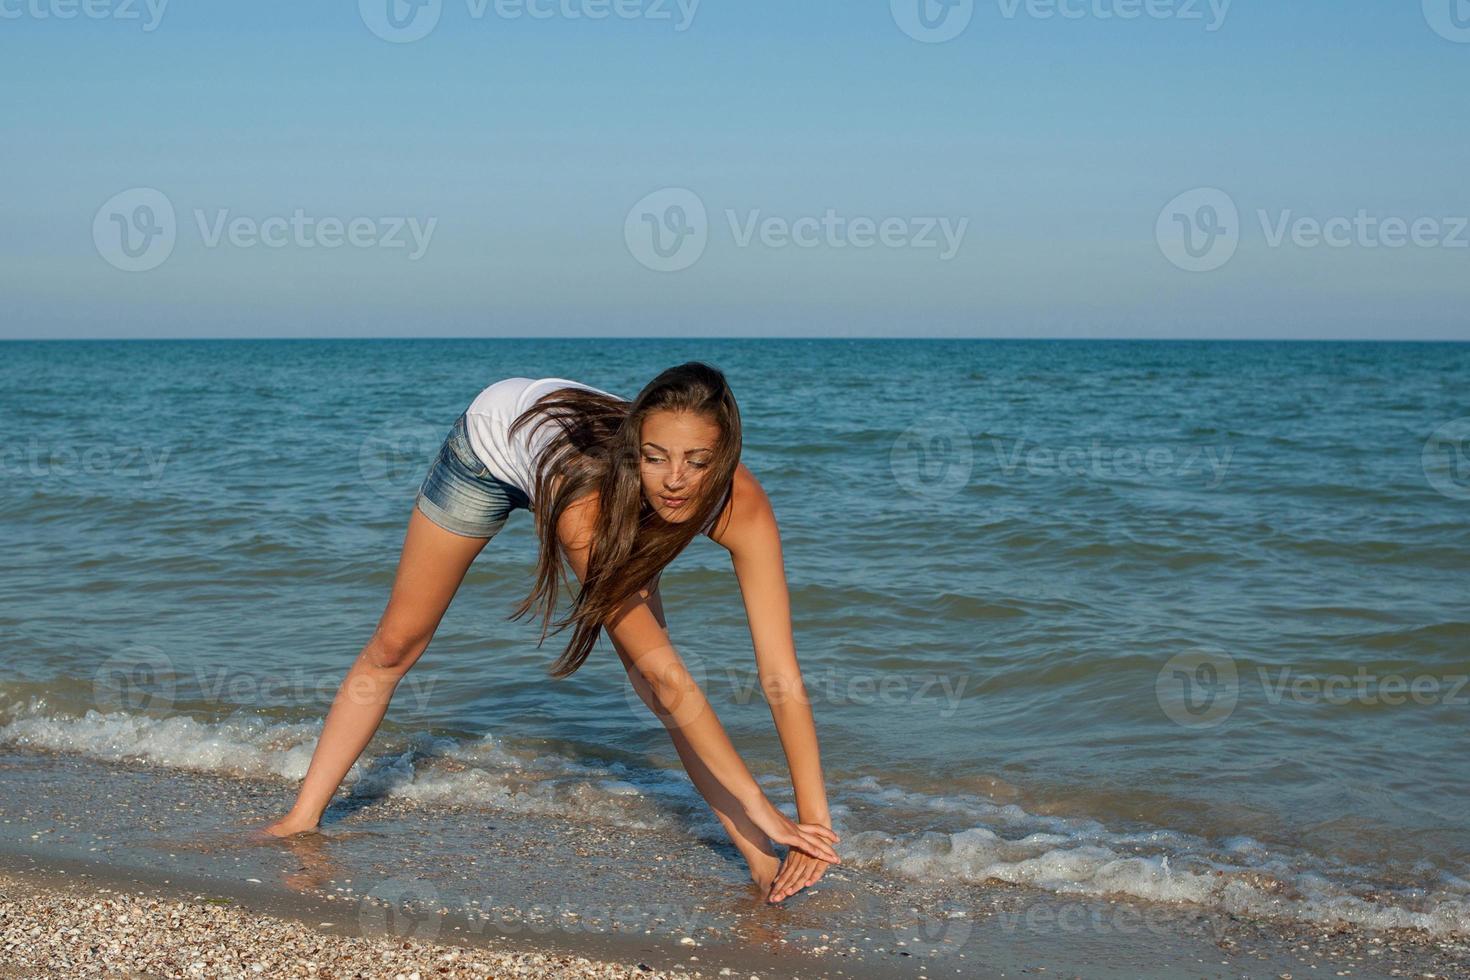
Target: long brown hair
598 449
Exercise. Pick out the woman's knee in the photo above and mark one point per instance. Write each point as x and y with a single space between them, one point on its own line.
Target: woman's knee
395 649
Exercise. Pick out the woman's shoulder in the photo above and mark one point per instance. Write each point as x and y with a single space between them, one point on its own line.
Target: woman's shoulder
748 503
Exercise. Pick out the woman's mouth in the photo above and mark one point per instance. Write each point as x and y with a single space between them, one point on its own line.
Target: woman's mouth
672 501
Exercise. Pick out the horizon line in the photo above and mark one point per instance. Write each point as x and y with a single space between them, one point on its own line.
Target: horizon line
876 337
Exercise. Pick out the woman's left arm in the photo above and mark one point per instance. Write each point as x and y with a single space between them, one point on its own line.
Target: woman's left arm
754 542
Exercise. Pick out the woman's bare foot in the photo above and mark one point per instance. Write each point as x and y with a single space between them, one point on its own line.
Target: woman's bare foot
763 869
284 827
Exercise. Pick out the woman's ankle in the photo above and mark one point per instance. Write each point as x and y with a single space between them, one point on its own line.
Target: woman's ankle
763 867
295 822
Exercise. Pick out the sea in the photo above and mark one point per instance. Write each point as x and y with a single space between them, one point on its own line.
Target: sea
1183 623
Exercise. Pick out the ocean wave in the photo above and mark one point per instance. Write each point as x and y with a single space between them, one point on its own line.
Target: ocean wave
422 767
967 838
1055 863
1079 856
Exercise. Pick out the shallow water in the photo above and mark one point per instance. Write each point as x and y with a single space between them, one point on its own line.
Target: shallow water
1089 617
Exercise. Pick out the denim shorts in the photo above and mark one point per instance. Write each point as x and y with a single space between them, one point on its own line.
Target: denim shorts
460 494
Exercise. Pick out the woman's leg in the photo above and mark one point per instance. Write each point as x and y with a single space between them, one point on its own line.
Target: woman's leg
753 844
430 569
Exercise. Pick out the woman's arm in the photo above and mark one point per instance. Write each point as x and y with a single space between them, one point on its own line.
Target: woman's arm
755 552
637 630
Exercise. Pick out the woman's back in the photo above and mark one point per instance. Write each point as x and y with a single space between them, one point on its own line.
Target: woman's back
487 423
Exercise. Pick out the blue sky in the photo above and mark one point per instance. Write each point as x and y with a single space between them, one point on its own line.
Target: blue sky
1067 155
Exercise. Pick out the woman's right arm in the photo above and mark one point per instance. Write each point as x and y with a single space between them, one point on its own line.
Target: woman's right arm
637 630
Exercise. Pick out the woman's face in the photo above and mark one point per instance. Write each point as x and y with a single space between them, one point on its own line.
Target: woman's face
676 450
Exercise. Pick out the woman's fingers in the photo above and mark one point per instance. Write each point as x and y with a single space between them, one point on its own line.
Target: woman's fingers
817 832
783 890
799 871
825 831
810 879
816 847
784 876
792 870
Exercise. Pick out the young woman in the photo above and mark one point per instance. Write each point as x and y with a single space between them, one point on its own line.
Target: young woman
617 489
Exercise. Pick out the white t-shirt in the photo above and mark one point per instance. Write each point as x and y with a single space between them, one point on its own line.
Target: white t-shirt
487 423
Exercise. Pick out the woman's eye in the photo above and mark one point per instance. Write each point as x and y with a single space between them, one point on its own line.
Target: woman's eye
655 459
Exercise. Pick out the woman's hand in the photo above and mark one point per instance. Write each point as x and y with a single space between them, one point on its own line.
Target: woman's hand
809 838
798 871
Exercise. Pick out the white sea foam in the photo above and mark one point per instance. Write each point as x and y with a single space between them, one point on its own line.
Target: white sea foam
428 768
246 747
1270 889
999 842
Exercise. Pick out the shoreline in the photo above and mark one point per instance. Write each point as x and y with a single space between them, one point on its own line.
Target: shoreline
487 880
74 918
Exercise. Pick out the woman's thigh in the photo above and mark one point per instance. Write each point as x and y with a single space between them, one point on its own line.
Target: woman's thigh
431 567
460 506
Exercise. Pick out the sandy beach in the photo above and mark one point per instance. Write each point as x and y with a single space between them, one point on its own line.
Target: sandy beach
81 929
72 922
127 870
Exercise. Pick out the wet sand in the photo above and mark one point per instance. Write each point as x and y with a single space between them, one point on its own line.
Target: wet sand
83 842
